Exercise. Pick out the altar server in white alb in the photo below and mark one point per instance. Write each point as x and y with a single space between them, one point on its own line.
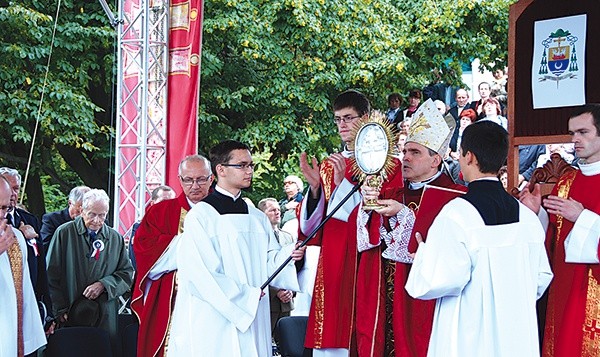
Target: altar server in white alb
225 254
484 261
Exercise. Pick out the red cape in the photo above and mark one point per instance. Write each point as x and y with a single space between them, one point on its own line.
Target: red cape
413 319
573 312
158 227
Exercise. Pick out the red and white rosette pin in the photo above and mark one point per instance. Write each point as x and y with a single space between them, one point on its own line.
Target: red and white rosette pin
98 246
33 243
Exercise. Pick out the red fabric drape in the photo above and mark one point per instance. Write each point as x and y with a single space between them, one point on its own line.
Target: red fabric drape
185 44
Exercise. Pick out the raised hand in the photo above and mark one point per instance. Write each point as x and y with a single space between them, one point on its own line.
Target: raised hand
531 199
311 173
339 167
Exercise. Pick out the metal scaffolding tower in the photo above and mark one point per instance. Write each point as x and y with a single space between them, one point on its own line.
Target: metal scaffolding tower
141 141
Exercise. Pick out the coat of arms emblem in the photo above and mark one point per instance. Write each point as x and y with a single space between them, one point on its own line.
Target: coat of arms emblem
559 60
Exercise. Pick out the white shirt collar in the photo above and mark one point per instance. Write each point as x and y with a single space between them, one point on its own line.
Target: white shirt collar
227 193
590 169
419 185
12 213
347 153
487 178
192 204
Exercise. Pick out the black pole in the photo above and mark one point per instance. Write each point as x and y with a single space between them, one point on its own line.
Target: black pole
312 234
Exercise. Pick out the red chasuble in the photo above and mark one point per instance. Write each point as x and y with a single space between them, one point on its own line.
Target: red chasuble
573 313
348 306
413 318
160 224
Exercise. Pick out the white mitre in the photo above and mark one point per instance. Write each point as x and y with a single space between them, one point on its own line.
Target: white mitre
429 128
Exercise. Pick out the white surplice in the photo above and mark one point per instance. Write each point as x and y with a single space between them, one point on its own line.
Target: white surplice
33 331
222 261
486 279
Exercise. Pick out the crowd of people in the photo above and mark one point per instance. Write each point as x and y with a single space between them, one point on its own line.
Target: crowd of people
380 282
69 271
492 106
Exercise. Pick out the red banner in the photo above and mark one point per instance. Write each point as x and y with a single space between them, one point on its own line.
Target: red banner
185 44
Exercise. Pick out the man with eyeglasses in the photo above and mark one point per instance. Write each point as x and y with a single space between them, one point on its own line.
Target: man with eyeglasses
347 311
87 261
154 293
227 251
22 331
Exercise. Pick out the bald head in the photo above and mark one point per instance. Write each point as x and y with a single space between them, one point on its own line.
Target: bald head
5 193
195 177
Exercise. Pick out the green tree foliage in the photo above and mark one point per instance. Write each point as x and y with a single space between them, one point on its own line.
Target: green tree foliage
270 69
74 132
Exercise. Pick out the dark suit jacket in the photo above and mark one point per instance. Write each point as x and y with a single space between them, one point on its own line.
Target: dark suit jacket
37 264
454 112
51 221
437 91
399 117
454 140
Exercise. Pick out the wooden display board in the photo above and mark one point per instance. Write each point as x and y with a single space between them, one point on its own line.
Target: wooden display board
526 125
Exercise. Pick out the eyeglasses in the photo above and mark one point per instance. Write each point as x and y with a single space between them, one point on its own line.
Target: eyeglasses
345 119
241 166
189 181
92 215
288 182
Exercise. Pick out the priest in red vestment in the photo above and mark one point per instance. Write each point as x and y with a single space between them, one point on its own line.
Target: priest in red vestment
573 210
343 317
154 294
409 321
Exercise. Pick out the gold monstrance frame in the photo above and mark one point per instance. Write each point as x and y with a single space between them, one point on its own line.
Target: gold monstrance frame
373 152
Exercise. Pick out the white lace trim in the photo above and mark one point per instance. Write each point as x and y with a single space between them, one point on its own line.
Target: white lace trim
397 239
362 233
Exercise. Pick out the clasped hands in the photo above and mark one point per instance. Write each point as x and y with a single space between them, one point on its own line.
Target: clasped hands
568 208
28 231
285 296
7 236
